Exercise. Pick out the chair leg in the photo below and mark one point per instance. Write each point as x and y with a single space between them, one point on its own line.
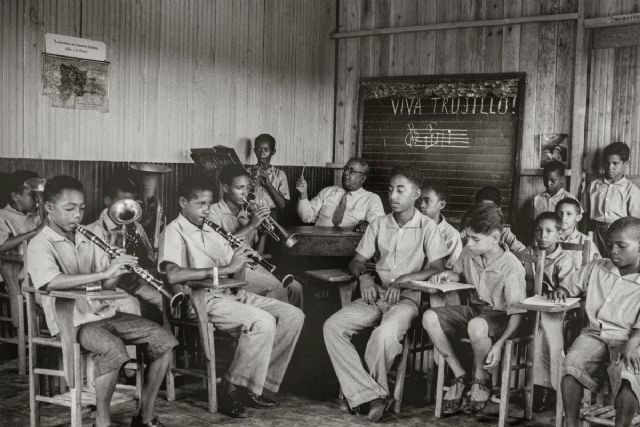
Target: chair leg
211 371
431 366
559 405
22 348
400 376
139 375
440 385
34 389
528 389
76 389
505 387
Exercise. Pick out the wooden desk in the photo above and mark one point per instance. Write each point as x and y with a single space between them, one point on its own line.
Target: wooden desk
91 296
223 284
323 241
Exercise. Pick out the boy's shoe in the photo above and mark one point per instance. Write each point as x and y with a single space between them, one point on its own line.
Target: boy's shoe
137 422
452 401
230 401
543 398
478 396
343 405
378 408
254 401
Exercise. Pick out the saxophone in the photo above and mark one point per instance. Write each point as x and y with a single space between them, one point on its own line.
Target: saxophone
175 299
236 242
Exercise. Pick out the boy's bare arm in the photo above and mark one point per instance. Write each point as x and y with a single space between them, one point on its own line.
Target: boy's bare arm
118 267
13 242
176 274
629 353
493 358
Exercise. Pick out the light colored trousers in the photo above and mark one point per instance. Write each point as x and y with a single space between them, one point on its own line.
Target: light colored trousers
268 333
261 282
549 346
358 385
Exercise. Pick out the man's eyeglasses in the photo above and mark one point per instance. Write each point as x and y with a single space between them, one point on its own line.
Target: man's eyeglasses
351 171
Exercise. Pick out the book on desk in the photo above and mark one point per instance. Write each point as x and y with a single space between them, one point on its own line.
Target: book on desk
430 287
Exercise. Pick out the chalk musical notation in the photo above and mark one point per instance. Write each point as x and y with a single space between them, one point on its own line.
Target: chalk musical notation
430 136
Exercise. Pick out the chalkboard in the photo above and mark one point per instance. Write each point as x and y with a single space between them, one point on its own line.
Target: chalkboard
462 129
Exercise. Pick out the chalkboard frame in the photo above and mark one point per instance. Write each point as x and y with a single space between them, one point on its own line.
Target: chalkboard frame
453 78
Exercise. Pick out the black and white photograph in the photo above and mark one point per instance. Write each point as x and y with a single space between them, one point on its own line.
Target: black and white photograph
293 213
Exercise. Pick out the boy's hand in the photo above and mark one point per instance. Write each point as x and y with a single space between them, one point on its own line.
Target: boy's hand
445 276
119 265
558 295
630 355
494 356
301 186
392 296
368 289
259 215
361 227
240 258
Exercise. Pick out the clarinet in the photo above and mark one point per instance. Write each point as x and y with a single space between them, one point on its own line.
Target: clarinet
175 299
236 242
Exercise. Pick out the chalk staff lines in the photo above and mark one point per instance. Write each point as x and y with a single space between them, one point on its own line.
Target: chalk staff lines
430 136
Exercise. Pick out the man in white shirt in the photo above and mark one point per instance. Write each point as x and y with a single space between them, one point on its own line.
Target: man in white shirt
346 206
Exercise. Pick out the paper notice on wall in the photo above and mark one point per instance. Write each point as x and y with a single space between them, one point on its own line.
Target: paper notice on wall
57 44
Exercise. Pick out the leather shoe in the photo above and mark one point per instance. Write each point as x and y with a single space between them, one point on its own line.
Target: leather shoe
343 405
137 422
544 398
230 403
378 408
254 401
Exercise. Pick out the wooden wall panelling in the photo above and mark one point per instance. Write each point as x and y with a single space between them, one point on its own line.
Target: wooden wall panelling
182 75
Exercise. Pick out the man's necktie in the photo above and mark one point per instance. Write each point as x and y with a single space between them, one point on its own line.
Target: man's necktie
338 215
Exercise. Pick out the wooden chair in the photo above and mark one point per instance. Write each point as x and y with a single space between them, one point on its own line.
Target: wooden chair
516 366
597 408
10 267
415 347
198 294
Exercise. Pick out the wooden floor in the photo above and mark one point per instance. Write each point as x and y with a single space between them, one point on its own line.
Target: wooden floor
190 410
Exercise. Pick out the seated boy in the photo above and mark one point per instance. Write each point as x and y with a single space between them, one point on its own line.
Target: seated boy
432 201
558 264
63 259
613 196
19 222
490 319
135 242
554 182
273 188
492 195
411 248
268 329
229 213
570 213
611 340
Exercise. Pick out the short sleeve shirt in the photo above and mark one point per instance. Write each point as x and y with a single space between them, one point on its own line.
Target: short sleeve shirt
403 250
500 284
189 246
278 179
580 238
222 215
612 300
544 202
610 201
557 265
14 223
452 240
49 255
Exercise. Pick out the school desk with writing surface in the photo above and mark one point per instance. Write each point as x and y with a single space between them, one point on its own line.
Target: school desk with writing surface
538 305
323 241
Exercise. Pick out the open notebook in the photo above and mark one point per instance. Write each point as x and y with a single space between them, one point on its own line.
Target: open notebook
442 286
541 301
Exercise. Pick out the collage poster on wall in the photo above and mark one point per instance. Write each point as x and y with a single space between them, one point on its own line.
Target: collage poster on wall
76 83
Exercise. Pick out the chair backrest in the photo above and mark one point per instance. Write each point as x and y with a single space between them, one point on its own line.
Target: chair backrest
584 247
536 261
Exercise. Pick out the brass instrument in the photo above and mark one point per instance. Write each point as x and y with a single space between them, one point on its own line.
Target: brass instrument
270 226
236 242
125 212
152 223
36 185
175 299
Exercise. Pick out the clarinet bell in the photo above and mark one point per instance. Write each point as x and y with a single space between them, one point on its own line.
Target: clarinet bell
287 280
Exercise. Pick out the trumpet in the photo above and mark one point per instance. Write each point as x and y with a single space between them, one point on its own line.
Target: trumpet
236 242
270 226
175 299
